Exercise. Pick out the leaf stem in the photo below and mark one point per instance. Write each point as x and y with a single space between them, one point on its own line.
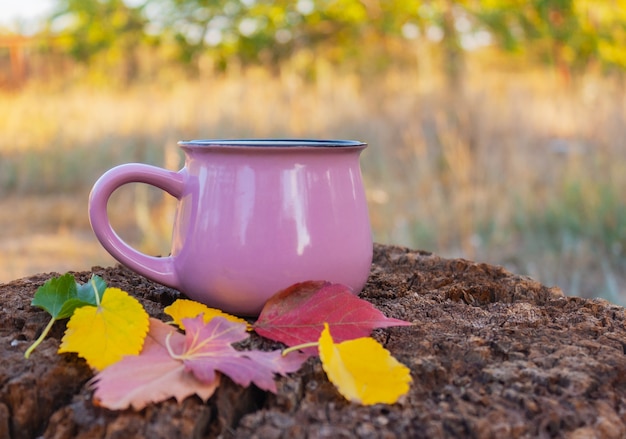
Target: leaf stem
291 349
95 291
40 339
168 346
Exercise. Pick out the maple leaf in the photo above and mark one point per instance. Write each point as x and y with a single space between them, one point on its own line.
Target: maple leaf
362 370
153 376
183 309
175 365
103 334
208 349
297 314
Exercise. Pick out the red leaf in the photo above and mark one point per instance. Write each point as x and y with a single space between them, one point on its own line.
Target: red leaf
297 314
208 349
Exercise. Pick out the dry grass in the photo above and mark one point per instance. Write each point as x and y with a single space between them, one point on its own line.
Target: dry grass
516 169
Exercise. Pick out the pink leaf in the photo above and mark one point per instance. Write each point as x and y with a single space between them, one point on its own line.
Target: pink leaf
208 349
153 376
297 314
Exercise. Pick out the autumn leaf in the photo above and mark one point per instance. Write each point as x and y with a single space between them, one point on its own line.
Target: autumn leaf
184 309
208 349
297 314
362 370
103 334
176 365
151 377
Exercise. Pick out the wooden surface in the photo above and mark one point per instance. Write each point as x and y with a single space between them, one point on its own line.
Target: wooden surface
492 355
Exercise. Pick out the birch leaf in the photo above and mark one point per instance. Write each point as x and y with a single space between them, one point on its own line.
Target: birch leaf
363 370
103 334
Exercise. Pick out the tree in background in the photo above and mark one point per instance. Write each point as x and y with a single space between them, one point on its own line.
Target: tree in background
568 34
91 29
269 32
370 34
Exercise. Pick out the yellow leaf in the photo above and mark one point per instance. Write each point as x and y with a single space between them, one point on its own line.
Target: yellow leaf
103 334
188 309
362 370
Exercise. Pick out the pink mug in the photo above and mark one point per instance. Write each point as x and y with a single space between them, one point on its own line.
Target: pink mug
253 217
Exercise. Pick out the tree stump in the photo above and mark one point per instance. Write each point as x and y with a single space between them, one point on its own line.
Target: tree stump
492 355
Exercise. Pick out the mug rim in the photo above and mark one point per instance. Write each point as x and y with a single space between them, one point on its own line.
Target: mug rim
274 143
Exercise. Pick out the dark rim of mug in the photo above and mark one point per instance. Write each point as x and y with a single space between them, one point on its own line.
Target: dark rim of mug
274 143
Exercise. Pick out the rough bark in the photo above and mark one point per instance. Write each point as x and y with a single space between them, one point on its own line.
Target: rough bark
492 355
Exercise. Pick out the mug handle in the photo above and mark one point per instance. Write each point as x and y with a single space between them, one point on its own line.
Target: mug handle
158 269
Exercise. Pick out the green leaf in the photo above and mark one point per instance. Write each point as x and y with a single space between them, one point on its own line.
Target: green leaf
53 295
70 305
60 296
87 293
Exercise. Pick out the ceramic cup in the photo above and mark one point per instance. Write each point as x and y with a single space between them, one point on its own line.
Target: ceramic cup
253 217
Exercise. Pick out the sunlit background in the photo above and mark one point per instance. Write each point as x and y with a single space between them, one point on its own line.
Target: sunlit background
497 129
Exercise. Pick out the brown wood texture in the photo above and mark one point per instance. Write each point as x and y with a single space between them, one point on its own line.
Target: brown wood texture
492 355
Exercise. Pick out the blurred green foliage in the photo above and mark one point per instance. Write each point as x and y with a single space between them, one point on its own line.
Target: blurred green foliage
95 28
569 34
